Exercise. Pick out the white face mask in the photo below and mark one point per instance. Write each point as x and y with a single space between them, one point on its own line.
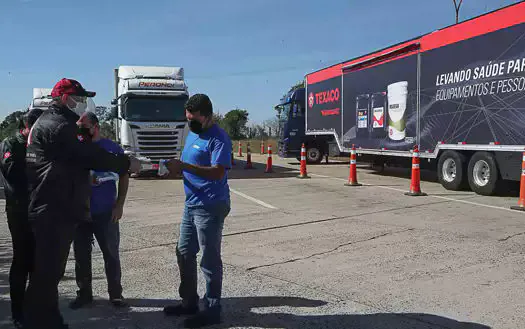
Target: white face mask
77 104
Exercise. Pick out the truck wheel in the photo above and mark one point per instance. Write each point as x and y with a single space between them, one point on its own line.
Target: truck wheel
313 154
483 173
452 170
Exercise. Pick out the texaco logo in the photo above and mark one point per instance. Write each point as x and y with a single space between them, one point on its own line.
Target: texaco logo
311 100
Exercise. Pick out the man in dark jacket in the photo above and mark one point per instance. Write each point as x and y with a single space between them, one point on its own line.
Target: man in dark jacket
58 164
13 177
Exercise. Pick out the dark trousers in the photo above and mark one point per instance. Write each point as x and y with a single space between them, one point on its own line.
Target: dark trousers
21 266
201 228
53 237
107 234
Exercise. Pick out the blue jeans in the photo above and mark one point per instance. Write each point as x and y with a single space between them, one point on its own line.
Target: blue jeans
201 228
107 234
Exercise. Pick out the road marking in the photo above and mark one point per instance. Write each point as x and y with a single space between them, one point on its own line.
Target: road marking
430 195
259 202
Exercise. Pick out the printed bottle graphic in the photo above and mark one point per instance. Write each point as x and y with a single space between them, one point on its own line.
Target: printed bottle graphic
362 114
378 117
397 104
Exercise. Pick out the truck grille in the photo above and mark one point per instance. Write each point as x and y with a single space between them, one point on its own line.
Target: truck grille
156 145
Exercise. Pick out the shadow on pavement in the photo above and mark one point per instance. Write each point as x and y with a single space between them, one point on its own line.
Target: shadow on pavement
505 188
238 312
238 171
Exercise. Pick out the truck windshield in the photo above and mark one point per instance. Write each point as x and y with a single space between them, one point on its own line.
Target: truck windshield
155 108
284 112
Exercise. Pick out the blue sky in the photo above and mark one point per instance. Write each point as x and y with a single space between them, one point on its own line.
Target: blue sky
243 53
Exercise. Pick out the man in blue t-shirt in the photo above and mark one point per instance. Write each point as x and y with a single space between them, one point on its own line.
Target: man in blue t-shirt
106 208
204 163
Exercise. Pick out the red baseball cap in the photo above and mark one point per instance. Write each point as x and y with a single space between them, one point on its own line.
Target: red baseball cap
70 87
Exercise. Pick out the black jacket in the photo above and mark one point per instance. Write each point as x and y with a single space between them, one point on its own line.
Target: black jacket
13 175
58 163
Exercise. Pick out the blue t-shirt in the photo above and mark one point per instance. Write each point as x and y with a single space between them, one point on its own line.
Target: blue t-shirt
212 147
104 184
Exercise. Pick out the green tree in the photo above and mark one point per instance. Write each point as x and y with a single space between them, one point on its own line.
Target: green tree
107 125
10 124
297 85
234 123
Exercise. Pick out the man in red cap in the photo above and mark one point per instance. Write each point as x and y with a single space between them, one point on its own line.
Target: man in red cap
58 162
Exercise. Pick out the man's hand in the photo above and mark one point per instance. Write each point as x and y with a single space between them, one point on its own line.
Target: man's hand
135 165
175 167
116 215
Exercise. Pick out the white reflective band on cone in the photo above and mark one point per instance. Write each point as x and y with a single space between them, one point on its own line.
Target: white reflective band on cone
303 158
416 154
353 162
353 152
523 158
415 165
523 172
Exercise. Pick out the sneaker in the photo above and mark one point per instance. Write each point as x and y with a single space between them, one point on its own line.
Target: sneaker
80 302
118 302
203 319
179 310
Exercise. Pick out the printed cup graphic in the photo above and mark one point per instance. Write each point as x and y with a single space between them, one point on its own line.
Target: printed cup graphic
397 104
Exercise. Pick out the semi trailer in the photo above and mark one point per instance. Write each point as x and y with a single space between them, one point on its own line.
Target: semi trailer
457 93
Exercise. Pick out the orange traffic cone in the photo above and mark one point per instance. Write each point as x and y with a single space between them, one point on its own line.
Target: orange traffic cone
521 201
415 188
352 177
303 173
262 147
269 164
248 157
240 149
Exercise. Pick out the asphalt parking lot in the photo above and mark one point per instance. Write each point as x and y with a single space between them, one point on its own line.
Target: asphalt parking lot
314 253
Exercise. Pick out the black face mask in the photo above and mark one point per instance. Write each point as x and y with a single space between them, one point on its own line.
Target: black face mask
84 132
195 126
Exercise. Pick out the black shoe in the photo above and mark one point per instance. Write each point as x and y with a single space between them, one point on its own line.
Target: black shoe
18 324
118 302
203 319
180 309
80 302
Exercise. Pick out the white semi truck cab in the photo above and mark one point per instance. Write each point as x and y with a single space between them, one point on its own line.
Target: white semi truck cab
149 110
41 98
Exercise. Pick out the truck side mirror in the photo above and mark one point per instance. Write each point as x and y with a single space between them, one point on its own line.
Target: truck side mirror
114 102
114 112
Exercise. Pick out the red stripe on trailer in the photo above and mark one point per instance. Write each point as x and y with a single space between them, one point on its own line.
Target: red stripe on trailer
335 70
499 19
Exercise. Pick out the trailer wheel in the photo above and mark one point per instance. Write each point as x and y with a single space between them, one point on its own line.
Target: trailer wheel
483 173
313 154
452 170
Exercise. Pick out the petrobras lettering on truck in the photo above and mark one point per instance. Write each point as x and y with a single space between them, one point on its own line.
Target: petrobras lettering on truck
149 84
